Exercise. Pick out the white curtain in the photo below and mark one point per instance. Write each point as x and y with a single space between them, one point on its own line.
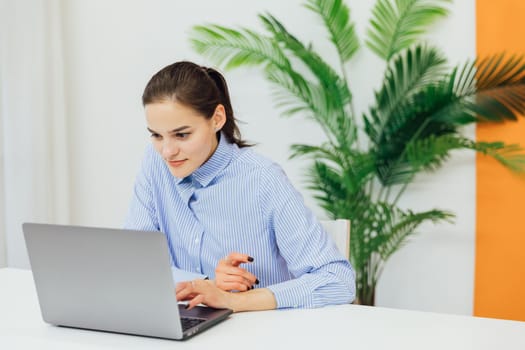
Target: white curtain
3 249
34 170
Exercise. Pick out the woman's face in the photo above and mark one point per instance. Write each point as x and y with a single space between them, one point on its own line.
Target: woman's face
184 138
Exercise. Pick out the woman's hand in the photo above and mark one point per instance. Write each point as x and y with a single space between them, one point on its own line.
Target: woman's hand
229 276
207 293
203 292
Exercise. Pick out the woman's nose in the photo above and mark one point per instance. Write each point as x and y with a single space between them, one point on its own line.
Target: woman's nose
170 149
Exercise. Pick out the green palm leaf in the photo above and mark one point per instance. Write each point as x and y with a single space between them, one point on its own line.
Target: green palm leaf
325 151
395 25
351 179
402 225
331 93
412 121
295 95
292 93
430 153
496 91
510 156
325 74
234 48
410 71
336 17
327 182
299 95
492 89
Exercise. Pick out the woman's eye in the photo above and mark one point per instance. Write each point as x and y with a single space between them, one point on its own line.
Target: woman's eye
155 136
182 135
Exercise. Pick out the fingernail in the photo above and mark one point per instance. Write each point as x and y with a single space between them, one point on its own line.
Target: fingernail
250 259
256 281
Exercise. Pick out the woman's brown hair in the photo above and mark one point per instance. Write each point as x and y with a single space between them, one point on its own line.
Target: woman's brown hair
197 87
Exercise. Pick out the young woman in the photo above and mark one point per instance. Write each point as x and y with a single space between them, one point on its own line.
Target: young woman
221 205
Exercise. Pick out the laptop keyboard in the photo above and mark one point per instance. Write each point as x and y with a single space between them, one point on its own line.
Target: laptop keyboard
189 322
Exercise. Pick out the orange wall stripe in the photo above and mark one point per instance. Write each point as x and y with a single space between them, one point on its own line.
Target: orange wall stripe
499 282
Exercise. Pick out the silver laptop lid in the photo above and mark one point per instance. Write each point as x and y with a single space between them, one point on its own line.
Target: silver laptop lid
104 279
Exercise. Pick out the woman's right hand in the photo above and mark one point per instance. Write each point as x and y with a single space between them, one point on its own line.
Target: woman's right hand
229 276
206 292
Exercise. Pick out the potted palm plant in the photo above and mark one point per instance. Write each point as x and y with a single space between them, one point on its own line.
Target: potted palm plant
415 121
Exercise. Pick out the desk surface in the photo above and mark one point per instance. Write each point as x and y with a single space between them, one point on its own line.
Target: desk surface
339 327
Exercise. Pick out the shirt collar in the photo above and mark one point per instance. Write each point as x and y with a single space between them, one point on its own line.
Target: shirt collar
213 166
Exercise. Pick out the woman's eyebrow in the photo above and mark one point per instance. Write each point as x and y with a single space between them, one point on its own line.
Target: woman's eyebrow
179 129
184 127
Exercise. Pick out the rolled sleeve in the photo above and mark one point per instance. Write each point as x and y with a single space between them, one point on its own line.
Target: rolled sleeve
316 289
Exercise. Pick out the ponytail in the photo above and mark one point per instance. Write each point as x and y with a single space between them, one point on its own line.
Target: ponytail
229 129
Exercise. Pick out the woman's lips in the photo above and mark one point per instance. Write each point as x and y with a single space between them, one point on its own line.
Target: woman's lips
176 163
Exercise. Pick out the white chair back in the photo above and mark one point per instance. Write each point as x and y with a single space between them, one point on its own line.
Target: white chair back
339 230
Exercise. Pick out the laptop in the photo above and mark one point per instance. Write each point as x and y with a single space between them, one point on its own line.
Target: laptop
110 280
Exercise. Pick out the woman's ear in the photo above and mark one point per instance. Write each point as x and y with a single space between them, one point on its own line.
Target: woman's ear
219 117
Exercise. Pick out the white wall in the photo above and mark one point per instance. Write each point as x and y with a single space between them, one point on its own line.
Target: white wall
113 47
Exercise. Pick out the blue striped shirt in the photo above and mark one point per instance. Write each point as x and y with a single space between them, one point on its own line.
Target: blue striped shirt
239 201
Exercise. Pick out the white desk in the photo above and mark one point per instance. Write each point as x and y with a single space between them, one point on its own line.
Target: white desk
340 327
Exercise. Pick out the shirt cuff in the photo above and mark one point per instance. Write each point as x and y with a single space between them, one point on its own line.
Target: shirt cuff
292 294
